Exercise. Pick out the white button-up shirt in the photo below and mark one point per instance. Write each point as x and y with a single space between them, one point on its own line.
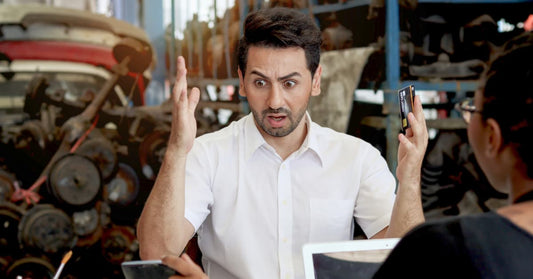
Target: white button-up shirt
253 211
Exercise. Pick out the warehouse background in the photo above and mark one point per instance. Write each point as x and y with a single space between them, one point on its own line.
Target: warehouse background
84 117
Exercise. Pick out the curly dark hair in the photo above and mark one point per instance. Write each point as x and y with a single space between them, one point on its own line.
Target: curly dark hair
280 27
508 95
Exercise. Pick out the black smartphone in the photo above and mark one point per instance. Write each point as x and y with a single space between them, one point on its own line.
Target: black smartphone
406 98
146 269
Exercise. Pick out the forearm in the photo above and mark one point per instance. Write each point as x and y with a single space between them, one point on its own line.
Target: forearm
407 211
162 228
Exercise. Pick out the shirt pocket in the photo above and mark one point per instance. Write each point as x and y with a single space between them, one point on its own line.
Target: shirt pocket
330 219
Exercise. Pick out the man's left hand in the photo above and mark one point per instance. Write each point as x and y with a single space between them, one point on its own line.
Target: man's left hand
185 266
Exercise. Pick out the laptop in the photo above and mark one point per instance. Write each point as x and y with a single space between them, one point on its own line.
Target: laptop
358 259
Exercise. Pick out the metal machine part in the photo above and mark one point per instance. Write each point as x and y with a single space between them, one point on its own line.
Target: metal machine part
139 54
10 216
7 185
32 131
71 91
119 244
123 189
87 226
30 267
151 152
46 228
85 222
101 151
74 180
4 263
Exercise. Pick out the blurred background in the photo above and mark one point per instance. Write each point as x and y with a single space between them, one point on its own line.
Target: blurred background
84 112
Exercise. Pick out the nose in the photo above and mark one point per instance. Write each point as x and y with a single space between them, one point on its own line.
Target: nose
275 98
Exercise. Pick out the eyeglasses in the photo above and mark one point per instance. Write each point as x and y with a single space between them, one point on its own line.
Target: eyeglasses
467 108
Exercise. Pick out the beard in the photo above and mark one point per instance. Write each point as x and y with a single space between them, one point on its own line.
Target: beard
294 120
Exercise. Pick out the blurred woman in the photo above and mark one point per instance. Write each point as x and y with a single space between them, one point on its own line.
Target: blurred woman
496 244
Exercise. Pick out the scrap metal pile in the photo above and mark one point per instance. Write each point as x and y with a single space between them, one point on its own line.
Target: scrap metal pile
440 41
76 162
75 174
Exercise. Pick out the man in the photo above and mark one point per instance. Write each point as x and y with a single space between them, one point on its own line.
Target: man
258 190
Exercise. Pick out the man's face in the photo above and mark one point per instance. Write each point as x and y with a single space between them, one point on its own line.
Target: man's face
278 85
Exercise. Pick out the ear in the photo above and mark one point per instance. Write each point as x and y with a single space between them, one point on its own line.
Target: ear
315 89
495 138
242 91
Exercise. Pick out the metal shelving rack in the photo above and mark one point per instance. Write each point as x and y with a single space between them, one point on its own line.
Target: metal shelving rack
392 62
393 82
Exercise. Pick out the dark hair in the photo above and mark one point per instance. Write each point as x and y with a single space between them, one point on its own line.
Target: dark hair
508 96
280 28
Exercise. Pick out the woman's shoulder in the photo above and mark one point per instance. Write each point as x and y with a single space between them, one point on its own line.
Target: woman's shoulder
521 215
453 224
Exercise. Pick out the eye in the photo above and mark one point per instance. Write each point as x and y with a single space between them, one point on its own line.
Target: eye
289 83
260 83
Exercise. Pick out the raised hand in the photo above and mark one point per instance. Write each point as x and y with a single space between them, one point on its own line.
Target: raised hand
184 127
412 146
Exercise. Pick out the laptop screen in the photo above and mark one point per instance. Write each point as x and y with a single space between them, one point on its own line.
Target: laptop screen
346 259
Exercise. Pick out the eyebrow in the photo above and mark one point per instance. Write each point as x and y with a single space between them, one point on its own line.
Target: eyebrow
280 78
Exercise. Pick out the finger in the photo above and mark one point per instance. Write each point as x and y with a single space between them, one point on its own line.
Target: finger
409 131
184 264
195 268
404 141
181 68
418 127
414 124
417 109
183 100
177 264
171 261
181 86
419 112
186 257
194 98
181 81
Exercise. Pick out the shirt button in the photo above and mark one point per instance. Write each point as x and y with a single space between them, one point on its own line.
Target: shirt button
284 202
285 240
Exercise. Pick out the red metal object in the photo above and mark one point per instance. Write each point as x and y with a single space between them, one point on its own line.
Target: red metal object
96 55
528 24
59 51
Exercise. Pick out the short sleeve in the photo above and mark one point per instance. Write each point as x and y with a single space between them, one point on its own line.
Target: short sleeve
198 191
375 200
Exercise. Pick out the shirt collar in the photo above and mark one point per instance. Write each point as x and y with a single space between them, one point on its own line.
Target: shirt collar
312 139
253 137
256 140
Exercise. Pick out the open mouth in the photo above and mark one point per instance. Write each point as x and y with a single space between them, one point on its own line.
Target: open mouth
276 121
277 118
